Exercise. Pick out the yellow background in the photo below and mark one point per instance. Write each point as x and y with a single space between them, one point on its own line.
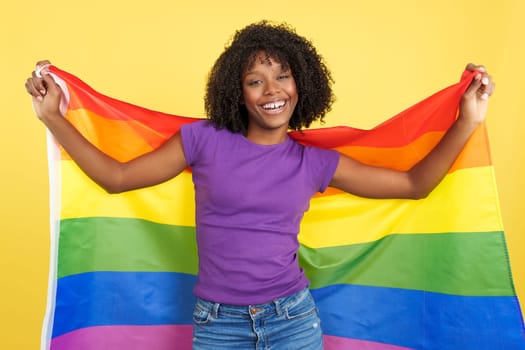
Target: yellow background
384 56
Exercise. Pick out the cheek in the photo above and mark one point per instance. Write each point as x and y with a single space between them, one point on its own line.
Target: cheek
242 99
292 89
249 98
294 95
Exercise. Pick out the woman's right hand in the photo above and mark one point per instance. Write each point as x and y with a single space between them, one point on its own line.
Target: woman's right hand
152 168
46 94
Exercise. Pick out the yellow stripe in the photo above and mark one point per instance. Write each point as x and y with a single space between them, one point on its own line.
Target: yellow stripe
465 201
169 203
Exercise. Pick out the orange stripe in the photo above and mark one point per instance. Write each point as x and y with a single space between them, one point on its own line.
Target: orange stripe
125 140
475 154
122 140
403 158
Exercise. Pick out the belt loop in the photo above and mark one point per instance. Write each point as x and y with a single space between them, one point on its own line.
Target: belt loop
278 308
215 310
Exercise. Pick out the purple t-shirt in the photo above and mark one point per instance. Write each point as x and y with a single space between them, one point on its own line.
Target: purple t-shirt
250 200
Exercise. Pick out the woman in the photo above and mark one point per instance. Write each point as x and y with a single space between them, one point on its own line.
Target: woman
253 183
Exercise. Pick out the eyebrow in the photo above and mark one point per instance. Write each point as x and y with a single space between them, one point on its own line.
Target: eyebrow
284 68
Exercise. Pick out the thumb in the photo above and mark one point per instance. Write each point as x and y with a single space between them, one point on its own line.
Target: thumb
51 87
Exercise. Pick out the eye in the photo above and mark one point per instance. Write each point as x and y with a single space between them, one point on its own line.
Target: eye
283 76
254 82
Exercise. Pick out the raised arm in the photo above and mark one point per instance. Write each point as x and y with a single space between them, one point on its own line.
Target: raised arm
114 176
368 181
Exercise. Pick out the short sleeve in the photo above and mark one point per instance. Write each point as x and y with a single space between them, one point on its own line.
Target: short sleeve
323 163
193 139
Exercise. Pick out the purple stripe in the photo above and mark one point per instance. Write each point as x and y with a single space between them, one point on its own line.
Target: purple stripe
339 343
166 337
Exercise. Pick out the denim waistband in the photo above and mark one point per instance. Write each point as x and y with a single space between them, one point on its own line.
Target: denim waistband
277 306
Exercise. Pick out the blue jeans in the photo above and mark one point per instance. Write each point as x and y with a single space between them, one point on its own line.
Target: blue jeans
287 323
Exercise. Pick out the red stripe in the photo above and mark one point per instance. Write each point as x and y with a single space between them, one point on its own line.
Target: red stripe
83 96
435 113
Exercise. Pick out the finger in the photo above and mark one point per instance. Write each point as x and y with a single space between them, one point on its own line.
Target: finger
487 87
32 90
485 79
42 63
38 83
475 85
490 89
486 90
49 82
32 87
472 67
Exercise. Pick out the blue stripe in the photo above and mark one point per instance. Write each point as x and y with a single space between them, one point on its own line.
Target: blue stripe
123 298
408 318
420 320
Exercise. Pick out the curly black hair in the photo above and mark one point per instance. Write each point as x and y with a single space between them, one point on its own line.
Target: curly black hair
281 43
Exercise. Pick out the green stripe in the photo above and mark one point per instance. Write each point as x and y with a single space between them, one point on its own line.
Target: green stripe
473 264
121 244
451 263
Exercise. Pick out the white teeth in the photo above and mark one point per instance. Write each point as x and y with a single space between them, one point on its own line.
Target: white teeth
274 105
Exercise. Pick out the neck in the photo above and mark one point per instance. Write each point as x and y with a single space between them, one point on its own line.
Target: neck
267 137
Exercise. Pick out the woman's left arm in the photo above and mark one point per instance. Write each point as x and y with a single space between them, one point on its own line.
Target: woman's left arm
375 182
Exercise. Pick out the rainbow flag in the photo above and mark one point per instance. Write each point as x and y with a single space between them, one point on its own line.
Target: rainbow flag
386 274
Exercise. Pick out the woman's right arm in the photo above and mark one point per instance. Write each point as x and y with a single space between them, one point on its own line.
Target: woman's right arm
149 169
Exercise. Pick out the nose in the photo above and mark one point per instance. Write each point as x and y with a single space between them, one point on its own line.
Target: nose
272 88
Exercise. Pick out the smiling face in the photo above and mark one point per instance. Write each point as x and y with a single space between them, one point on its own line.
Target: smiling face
270 96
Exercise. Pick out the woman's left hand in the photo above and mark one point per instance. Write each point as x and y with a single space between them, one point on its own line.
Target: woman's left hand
474 103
